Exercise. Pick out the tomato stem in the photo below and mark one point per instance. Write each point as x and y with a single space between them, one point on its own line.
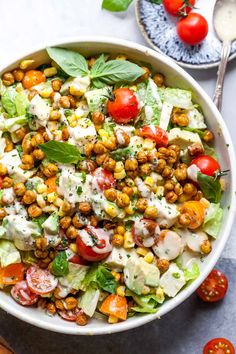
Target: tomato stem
183 9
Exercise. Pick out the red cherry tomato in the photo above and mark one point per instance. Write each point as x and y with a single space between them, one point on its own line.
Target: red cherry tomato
219 346
155 133
174 7
145 230
70 315
93 244
76 259
104 178
40 281
22 294
207 164
214 287
125 106
32 78
192 29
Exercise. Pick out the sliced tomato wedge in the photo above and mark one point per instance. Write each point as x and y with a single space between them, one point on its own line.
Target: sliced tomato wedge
70 315
22 294
104 179
219 346
155 133
40 281
214 287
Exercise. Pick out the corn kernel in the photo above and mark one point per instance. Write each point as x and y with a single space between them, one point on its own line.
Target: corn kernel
148 144
205 202
112 319
121 290
149 181
160 294
146 290
73 247
26 63
57 135
58 202
129 210
40 201
119 166
160 191
51 197
134 88
41 188
128 240
142 251
120 175
121 57
149 257
222 184
120 230
116 275
50 209
103 134
135 190
75 91
52 126
46 92
111 210
50 71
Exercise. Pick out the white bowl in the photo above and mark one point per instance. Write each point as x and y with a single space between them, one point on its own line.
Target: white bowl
176 77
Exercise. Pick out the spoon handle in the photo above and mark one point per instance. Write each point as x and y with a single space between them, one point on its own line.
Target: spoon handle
221 74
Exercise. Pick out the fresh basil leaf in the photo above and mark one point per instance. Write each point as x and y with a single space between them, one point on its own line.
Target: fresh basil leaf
99 64
122 154
60 265
115 71
105 280
73 63
157 2
116 5
61 152
210 187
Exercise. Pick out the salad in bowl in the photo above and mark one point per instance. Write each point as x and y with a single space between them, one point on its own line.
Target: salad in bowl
110 187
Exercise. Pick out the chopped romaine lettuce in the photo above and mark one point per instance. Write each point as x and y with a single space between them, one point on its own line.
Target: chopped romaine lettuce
100 277
22 103
97 99
13 124
212 222
146 303
178 98
193 273
8 253
8 100
75 276
88 301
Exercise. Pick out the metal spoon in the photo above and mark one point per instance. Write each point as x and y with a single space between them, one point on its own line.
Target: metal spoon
224 19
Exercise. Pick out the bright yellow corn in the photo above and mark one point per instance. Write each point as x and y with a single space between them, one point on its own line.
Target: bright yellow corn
149 181
112 319
58 202
73 247
46 92
121 290
142 251
160 191
103 134
26 63
40 201
146 290
111 210
121 57
51 197
120 175
119 166
116 275
205 202
148 144
41 188
129 210
128 240
75 91
160 294
149 257
48 72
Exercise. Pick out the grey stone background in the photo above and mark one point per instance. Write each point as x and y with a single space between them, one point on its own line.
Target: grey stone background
29 23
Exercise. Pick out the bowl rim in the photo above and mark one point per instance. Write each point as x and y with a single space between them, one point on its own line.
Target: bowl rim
139 320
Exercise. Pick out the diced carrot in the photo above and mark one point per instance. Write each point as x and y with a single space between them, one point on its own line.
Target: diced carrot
11 274
115 305
196 211
51 184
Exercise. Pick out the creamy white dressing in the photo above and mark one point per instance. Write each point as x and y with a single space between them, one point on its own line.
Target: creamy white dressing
2 147
196 119
192 172
39 108
8 196
167 213
93 236
128 129
120 138
225 20
11 160
83 133
143 189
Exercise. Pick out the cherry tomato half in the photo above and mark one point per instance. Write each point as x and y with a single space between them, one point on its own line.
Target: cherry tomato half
207 164
219 346
93 244
125 106
155 133
70 315
174 7
76 259
192 29
214 287
104 178
40 281
22 294
145 232
32 78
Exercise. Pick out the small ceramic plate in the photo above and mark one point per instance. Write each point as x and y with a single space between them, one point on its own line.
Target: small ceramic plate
159 29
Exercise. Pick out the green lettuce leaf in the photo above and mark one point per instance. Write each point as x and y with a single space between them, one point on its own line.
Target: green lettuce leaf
8 100
22 103
212 222
178 98
146 303
8 253
88 301
75 277
100 277
193 273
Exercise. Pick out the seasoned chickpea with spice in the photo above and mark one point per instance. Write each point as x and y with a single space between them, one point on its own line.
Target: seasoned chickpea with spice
29 197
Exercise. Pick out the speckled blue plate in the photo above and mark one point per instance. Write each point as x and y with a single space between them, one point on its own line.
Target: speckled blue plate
159 29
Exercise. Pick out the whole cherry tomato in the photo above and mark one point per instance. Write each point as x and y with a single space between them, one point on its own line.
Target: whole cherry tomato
219 346
175 7
155 133
214 287
125 107
93 244
207 164
192 29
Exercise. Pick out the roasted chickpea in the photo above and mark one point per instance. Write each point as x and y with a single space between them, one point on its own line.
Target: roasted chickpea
131 164
159 79
98 118
56 85
110 194
171 197
40 253
208 136
190 189
65 222
72 101
45 136
9 145
122 200
111 143
20 133
19 189
29 197
122 138
64 102
81 319
2 213
99 148
55 115
167 172
198 196
128 190
118 240
50 170
175 148
7 182
32 93
93 221
146 74
169 185
109 164
8 79
181 173
120 230
27 159
18 74
59 305
141 205
71 303
26 144
51 308
84 207
172 156
34 211
37 139
132 174
88 149
145 169
163 153
76 222
153 157
206 247
88 166
66 207
151 212
65 134
38 154
3 170
71 232
195 149
142 157
41 243
181 119
100 159
161 164
178 189
26 166
163 265
184 219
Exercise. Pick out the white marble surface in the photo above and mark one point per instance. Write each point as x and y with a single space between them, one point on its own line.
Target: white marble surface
30 23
